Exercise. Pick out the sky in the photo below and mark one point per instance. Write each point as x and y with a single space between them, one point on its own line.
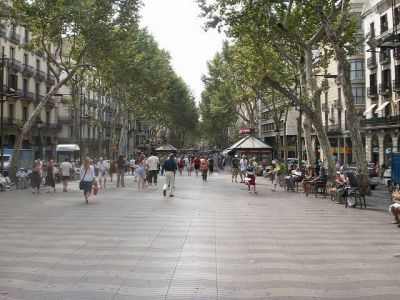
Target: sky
177 28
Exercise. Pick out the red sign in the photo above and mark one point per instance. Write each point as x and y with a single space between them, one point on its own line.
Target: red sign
247 130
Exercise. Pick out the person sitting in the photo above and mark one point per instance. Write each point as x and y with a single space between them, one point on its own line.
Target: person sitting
395 207
4 183
309 176
350 182
297 174
22 178
322 177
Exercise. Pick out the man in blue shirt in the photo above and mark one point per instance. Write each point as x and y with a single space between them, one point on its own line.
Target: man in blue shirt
169 168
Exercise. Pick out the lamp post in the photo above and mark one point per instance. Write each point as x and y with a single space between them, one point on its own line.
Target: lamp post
39 124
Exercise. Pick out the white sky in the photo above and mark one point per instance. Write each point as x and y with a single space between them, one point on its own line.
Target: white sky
177 28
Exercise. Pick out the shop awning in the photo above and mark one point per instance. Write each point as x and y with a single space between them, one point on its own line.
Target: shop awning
369 109
382 106
226 151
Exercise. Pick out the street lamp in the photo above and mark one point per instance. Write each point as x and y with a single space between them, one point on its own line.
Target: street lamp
39 124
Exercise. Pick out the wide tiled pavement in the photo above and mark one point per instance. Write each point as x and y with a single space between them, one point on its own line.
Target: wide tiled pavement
211 241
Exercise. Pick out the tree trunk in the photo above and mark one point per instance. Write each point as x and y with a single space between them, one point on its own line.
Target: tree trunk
285 141
308 141
352 118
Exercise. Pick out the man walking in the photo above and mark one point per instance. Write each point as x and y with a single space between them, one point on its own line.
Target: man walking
152 163
169 168
120 171
65 167
235 167
101 166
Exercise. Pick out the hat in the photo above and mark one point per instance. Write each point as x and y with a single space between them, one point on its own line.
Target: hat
101 158
236 155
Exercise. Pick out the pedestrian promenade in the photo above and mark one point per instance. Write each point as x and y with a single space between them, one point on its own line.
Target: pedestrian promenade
213 240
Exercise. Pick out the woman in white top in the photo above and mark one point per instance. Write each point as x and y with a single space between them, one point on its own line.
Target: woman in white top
87 176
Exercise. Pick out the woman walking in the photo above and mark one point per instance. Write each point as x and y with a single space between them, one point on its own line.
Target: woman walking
190 166
50 176
87 177
36 179
140 171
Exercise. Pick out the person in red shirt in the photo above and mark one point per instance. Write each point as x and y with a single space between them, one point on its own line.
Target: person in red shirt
181 165
196 165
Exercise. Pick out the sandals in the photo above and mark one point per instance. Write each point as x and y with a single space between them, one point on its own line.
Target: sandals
396 222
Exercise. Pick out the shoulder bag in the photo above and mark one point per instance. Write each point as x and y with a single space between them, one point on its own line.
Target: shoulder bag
81 182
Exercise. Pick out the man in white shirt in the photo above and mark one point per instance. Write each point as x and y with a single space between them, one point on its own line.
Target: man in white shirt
243 166
153 162
102 167
65 167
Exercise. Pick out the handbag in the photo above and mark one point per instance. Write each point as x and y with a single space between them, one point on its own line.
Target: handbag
81 182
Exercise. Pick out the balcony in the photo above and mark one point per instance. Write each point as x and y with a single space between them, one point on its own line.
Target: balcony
89 141
28 95
371 62
334 129
40 75
14 37
15 65
66 118
372 91
338 80
51 79
13 123
381 121
384 57
28 70
385 89
324 107
337 104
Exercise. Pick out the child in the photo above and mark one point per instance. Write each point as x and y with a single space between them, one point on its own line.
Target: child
95 187
251 178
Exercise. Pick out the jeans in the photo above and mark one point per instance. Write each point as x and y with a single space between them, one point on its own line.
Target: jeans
120 177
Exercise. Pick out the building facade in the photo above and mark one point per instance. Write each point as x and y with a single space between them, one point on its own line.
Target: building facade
382 124
27 74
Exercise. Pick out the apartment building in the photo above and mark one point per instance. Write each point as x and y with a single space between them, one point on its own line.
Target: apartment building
268 132
27 74
382 124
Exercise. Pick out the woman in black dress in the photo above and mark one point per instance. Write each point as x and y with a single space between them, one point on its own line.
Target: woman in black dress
50 180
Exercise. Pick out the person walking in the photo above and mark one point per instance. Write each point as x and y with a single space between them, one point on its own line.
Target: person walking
120 171
36 180
152 163
140 171
102 167
235 168
50 176
190 166
243 166
196 162
65 167
169 168
87 177
211 165
204 168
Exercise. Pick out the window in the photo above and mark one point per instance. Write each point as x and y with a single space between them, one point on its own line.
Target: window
26 59
24 113
356 69
71 131
339 118
47 117
397 15
12 53
339 94
358 93
37 90
10 112
13 81
26 35
384 24
372 30
38 65
25 87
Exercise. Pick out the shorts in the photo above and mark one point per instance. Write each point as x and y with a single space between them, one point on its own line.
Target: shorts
395 205
251 179
140 173
197 167
66 177
235 171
